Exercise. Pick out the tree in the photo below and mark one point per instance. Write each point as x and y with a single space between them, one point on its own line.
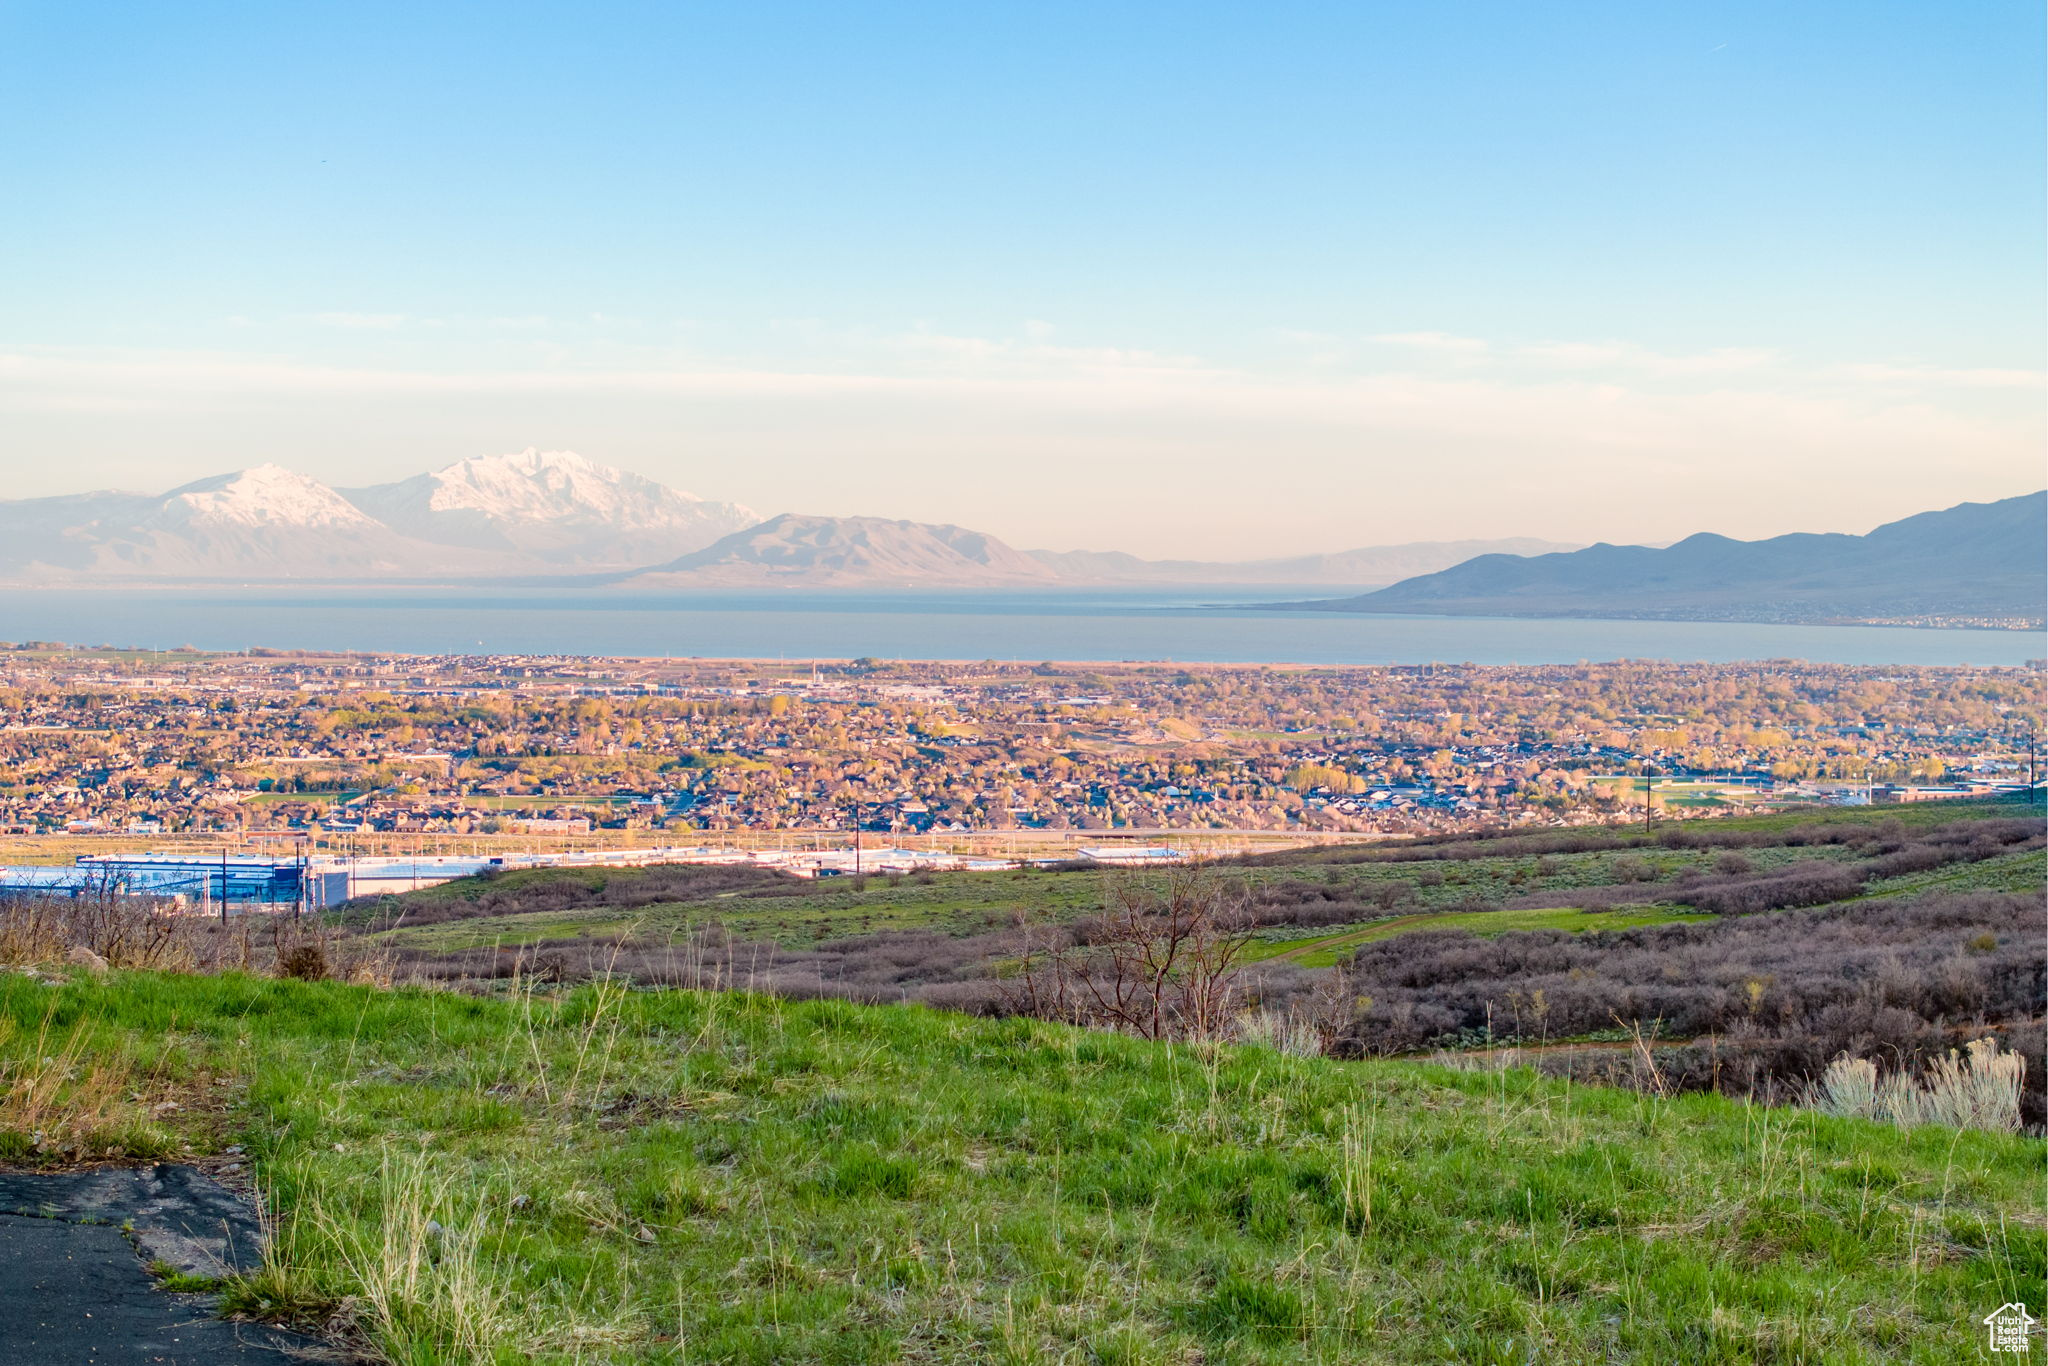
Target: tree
1162 961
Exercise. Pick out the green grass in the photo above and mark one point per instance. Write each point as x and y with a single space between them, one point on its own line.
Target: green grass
1328 949
1702 793
682 1177
536 928
948 903
971 903
1910 815
2022 872
179 1282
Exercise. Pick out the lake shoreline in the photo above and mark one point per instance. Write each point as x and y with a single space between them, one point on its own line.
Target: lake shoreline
1076 627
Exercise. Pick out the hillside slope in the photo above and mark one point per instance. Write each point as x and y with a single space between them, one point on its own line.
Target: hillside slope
842 551
1974 561
679 1176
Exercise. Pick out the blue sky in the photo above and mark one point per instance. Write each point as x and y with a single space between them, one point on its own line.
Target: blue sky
1266 277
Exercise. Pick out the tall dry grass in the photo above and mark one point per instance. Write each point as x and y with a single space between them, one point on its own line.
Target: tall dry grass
423 1288
104 928
1283 1033
1977 1089
63 1098
121 931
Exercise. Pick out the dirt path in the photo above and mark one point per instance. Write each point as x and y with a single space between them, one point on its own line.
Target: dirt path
1338 941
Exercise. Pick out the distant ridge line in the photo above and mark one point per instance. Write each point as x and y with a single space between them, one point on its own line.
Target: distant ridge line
1974 565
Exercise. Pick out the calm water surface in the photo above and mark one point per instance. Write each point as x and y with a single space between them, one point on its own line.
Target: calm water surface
1216 625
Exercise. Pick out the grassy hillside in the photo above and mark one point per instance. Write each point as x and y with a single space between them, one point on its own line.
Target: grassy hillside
538 906
769 906
1322 951
692 1177
948 938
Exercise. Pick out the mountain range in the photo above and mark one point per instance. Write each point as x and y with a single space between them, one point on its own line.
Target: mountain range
227 526
1975 563
555 516
554 507
558 515
536 512
845 551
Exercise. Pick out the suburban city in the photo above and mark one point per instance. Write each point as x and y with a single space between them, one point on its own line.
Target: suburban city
124 743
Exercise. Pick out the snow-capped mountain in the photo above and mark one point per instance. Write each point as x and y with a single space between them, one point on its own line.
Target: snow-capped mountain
542 515
534 513
261 496
556 507
265 522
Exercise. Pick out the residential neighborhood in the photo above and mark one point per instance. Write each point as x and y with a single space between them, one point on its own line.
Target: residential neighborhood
131 743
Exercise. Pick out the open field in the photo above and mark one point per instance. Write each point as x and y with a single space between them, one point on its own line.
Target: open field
1325 951
687 1177
797 912
975 903
2021 872
947 903
1798 935
1697 793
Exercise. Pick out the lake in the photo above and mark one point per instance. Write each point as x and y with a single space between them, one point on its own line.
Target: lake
1201 624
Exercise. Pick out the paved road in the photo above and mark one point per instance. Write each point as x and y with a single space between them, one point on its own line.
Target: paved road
73 1288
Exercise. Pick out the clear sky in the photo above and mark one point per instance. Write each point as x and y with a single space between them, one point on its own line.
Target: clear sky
1175 278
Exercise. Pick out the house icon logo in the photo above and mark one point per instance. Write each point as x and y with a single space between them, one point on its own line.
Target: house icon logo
2007 1327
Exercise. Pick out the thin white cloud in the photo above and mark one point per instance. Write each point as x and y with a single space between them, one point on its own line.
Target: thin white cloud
1928 376
930 363
1629 358
1564 411
1234 455
1610 357
1444 343
361 322
1039 356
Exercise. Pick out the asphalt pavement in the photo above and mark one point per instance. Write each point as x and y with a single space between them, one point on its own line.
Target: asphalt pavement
74 1288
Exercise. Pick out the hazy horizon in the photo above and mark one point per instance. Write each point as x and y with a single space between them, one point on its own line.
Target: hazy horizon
1228 288
1295 552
